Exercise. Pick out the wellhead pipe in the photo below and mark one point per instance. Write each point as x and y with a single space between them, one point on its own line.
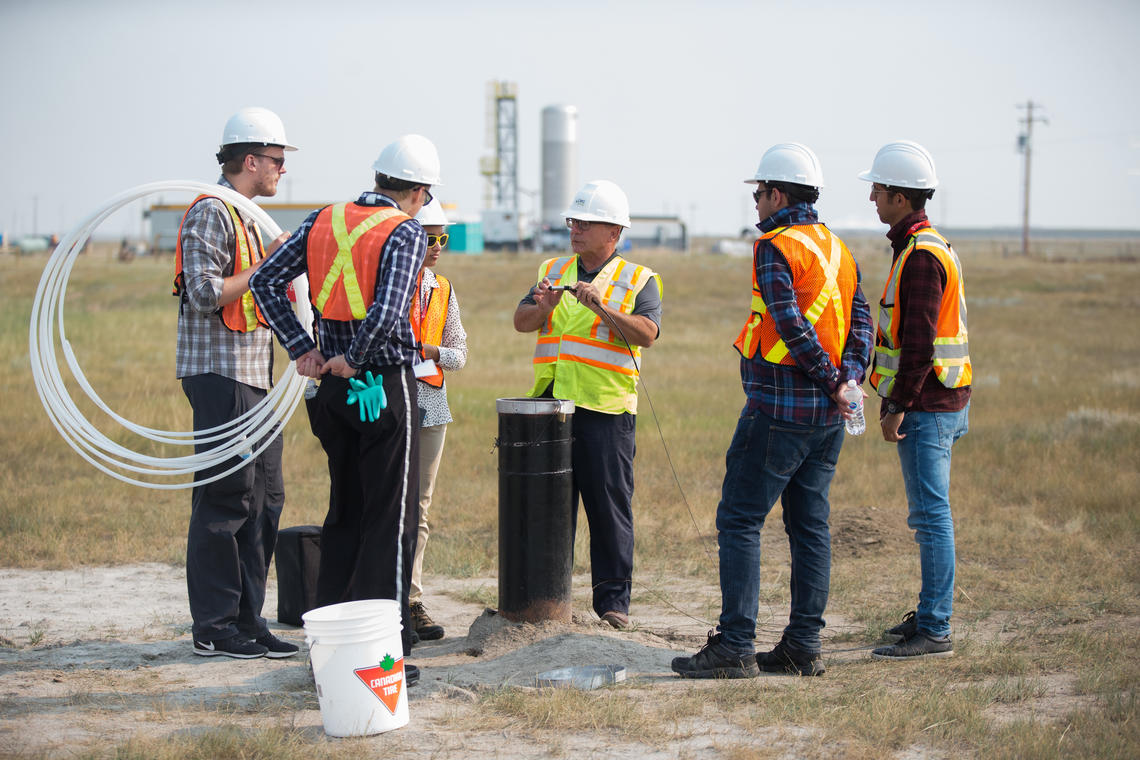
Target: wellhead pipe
536 520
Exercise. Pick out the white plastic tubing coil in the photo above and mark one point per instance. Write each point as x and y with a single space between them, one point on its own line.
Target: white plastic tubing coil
236 438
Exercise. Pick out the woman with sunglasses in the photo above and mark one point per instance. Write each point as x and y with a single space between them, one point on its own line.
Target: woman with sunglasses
443 346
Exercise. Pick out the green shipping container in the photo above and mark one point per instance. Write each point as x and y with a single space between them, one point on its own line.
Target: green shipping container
465 237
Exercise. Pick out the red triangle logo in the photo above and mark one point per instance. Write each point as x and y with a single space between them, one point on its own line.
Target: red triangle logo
385 682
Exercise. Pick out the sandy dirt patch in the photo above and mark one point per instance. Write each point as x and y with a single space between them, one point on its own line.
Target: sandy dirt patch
92 657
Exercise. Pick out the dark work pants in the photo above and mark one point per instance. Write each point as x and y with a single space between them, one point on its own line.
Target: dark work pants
368 541
602 458
233 521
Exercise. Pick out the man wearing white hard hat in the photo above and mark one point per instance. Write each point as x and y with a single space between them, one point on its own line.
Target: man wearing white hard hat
808 334
594 312
362 259
443 346
922 372
224 359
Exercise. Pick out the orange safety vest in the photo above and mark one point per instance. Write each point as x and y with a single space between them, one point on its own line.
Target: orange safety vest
824 279
951 356
344 248
428 327
242 314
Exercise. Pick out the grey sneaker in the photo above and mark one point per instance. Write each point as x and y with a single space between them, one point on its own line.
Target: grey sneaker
791 660
714 662
915 647
907 628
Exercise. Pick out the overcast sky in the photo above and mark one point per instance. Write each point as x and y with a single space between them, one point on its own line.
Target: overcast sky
676 101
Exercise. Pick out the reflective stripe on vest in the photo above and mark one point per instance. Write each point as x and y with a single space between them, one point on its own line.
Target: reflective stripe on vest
577 351
951 350
429 329
824 284
241 314
347 271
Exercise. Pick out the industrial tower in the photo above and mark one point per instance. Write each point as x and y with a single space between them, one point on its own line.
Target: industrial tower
501 171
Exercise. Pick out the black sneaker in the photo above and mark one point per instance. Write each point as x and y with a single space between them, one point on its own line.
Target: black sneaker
277 648
234 646
915 647
411 674
904 630
714 662
785 658
425 627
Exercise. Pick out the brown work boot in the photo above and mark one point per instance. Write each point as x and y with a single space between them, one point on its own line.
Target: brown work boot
424 626
618 620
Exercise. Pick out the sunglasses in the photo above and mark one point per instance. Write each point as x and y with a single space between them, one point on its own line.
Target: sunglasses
278 162
440 240
578 223
427 195
758 193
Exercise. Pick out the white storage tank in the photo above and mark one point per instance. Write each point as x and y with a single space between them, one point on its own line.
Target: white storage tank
559 158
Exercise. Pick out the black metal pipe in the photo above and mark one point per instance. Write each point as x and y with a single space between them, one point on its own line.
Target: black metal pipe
536 531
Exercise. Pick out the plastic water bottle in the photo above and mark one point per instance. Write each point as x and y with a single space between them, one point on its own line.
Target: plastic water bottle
854 395
310 389
247 450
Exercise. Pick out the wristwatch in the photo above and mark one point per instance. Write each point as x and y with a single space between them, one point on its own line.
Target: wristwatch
893 408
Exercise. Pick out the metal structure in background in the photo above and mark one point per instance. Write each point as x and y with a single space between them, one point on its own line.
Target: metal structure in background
559 159
1025 145
501 170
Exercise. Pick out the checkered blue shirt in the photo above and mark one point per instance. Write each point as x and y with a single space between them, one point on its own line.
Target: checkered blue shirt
800 393
384 336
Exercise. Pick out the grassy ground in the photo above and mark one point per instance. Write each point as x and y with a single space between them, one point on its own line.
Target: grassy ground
1044 495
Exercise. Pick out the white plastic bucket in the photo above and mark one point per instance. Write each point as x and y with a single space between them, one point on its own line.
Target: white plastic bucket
357 656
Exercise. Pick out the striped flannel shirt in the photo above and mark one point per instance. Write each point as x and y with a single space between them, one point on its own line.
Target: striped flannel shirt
800 393
205 344
384 336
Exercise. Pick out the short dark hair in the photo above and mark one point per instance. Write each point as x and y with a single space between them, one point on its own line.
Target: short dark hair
232 156
916 197
384 182
797 193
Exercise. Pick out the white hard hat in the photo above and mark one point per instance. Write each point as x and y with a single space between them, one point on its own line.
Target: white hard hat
412 158
789 162
255 125
600 201
432 213
903 163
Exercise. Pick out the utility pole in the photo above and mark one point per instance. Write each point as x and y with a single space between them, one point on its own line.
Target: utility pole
1025 143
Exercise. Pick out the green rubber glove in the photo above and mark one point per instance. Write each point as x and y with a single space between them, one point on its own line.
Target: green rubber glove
370 396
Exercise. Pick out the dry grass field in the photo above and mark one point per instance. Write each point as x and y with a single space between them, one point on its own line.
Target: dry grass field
1045 490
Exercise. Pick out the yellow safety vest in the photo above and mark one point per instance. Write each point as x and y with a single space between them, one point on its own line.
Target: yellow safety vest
951 357
576 351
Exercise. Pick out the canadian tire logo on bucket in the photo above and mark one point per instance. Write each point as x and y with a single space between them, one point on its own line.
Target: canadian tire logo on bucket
384 680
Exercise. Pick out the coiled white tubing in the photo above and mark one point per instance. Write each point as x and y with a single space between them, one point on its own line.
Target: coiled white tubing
108 456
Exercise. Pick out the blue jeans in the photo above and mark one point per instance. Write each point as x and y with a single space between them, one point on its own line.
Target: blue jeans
767 460
925 458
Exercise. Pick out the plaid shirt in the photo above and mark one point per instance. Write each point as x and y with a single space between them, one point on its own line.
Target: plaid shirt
916 386
384 336
800 393
205 344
